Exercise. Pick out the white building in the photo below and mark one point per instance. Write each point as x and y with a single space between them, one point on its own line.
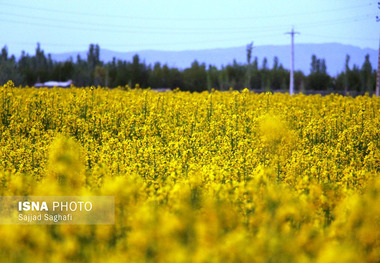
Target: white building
51 84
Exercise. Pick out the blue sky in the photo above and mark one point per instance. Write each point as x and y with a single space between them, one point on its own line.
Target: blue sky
71 25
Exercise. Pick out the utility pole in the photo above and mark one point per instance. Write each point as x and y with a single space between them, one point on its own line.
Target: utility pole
378 61
291 85
378 74
249 56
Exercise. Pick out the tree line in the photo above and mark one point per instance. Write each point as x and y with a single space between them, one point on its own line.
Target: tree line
255 75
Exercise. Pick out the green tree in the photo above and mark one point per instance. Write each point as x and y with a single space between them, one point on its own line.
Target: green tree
365 76
82 76
318 78
93 56
100 76
139 72
213 78
249 69
8 68
195 77
347 71
236 75
223 79
156 76
265 76
278 76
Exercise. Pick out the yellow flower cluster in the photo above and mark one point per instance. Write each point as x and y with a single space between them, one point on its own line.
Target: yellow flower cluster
197 177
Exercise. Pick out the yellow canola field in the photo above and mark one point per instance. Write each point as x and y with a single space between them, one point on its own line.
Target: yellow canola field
197 177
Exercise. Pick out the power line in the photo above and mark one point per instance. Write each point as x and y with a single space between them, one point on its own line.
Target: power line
187 29
336 22
271 35
163 30
135 28
184 18
340 37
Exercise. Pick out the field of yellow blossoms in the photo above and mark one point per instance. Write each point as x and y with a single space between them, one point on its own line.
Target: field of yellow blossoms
197 177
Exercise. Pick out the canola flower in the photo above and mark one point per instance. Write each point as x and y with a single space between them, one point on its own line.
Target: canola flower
197 177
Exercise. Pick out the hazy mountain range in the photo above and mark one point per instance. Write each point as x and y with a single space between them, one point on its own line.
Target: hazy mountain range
333 53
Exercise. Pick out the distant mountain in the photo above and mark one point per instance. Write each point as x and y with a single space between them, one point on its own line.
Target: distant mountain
333 53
